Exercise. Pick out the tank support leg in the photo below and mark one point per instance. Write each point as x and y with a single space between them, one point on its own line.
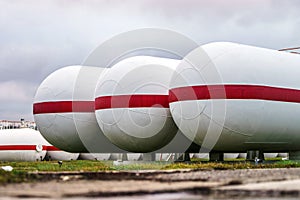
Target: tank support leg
148 156
216 156
184 157
294 155
123 157
255 155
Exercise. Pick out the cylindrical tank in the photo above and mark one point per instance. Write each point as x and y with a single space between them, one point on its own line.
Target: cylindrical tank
233 98
266 155
22 144
270 155
283 155
164 156
95 156
64 110
231 155
201 155
108 156
54 153
115 156
134 156
242 155
131 102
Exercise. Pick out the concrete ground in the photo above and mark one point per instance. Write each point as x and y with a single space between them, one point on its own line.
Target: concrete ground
172 184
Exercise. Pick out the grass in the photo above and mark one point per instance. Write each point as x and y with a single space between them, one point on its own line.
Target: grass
233 165
12 177
74 165
141 166
21 169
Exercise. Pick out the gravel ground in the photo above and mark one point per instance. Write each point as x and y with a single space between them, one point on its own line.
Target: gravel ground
178 184
235 176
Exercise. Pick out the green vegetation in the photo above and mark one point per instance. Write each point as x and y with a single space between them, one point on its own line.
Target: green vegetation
232 165
21 170
74 165
12 177
141 166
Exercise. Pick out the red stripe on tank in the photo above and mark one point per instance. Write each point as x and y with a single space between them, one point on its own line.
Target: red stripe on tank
132 101
63 107
17 147
52 148
255 92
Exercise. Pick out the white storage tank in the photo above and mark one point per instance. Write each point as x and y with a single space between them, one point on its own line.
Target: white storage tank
64 110
164 156
23 144
270 155
134 156
233 97
242 155
201 155
94 156
231 155
266 155
131 102
283 155
54 153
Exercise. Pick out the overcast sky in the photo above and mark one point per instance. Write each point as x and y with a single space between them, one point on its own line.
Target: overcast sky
38 37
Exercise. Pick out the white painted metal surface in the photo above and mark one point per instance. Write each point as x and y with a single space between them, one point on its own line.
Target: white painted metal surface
270 155
201 155
242 155
283 155
232 98
22 144
135 90
64 110
54 153
61 155
95 156
231 155
134 156
246 122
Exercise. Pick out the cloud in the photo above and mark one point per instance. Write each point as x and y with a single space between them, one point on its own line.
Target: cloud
16 99
38 37
271 24
16 91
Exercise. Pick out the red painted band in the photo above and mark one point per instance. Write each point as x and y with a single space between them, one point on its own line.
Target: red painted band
17 147
63 107
52 148
132 101
258 92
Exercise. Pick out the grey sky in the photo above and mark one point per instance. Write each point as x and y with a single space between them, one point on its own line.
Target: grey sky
38 37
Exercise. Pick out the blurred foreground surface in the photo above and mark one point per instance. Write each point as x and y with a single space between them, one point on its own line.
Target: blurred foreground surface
277 183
